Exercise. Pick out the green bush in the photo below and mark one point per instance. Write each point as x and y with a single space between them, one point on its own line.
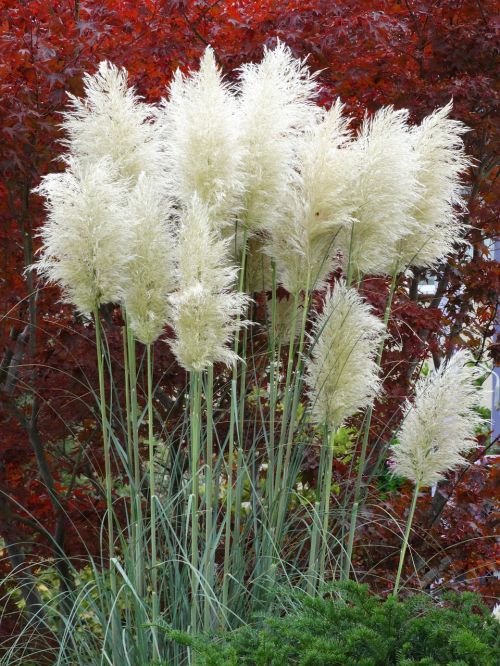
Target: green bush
351 627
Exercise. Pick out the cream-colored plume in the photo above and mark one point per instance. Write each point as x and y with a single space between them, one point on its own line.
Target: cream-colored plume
203 154
384 195
438 428
206 309
84 240
111 120
441 160
150 273
275 105
319 203
341 373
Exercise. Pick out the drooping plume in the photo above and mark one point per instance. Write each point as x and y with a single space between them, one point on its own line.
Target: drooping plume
84 240
441 160
342 374
150 273
203 155
276 104
319 203
384 195
206 309
438 428
111 120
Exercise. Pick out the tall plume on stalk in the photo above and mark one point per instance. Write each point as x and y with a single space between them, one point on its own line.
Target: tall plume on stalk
206 309
439 149
111 120
84 241
384 195
198 122
341 373
275 104
319 203
438 428
149 278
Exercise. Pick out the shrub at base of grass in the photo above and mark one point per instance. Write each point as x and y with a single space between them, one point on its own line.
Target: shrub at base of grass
351 627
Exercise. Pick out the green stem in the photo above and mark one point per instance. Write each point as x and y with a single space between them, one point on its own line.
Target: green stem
134 414
152 500
233 421
285 482
195 461
364 444
229 498
209 551
325 493
115 632
313 553
406 538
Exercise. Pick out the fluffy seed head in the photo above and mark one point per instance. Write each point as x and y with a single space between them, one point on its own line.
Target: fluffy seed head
206 311
199 126
438 428
83 238
384 194
441 161
275 104
342 374
110 120
318 206
150 272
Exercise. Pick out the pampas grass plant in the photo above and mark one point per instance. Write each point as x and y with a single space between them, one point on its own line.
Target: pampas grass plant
173 214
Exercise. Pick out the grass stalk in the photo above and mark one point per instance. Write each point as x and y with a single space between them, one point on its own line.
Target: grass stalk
326 489
195 379
209 504
115 629
364 444
152 505
406 539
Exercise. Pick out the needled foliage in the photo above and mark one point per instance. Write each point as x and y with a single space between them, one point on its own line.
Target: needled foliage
350 627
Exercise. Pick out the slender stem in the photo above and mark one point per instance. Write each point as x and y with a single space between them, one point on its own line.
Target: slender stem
406 538
325 493
130 453
137 483
350 265
313 552
209 554
195 461
229 498
285 481
233 422
287 394
364 444
272 388
108 473
152 504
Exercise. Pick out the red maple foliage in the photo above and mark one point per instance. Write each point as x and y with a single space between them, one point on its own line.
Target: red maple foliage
416 54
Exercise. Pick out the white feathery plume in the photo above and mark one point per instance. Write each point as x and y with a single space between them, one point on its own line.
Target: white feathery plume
384 194
202 152
275 105
84 240
112 120
341 373
319 203
206 310
438 428
441 159
150 273
496 612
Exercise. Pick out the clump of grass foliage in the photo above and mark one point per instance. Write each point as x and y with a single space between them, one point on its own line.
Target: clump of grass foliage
349 626
176 215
